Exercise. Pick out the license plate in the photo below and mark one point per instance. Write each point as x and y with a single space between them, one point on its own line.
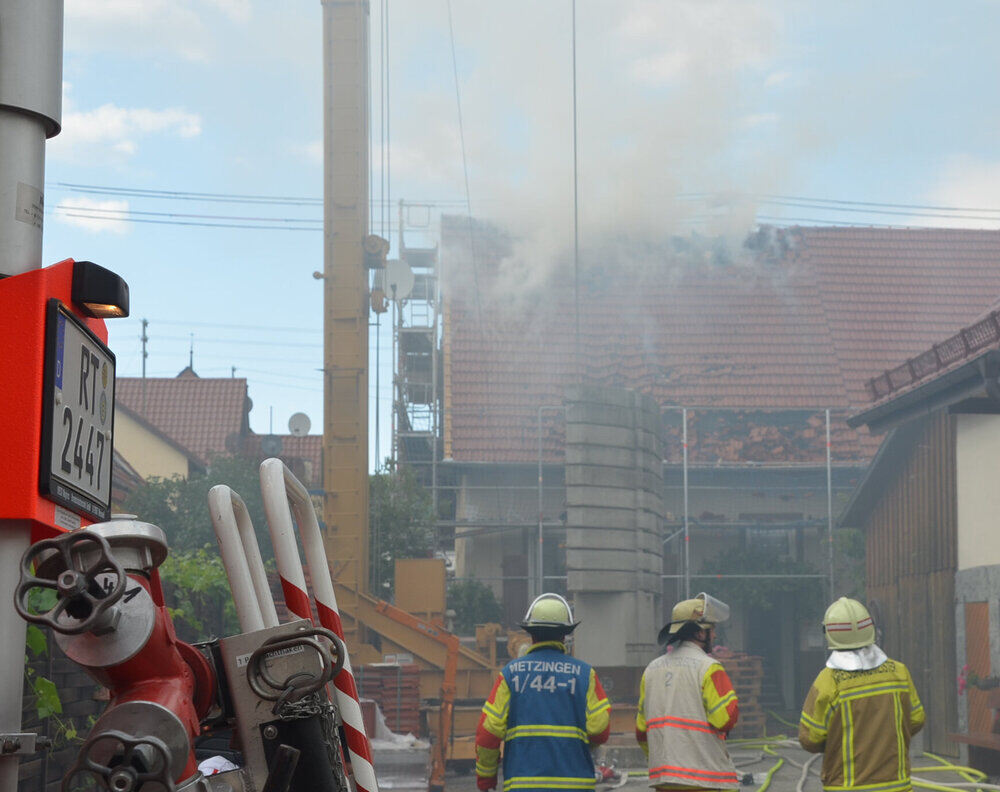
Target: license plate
78 404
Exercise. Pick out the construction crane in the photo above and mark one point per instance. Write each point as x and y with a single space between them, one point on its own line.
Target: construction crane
345 296
349 254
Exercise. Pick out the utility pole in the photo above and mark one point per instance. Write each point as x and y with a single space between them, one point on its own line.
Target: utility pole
144 338
31 43
345 298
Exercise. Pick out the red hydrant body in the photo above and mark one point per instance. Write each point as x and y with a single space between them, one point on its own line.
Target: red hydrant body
111 619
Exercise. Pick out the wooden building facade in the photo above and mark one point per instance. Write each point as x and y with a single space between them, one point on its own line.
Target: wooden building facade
907 507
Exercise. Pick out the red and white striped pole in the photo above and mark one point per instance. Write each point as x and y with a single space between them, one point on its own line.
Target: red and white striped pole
284 496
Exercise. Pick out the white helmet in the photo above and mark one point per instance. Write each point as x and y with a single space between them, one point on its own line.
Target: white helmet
549 611
848 625
704 610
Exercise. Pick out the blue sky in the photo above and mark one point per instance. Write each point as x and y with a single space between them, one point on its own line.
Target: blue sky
891 102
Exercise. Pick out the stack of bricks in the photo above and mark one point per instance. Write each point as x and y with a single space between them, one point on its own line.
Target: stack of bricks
747 675
396 689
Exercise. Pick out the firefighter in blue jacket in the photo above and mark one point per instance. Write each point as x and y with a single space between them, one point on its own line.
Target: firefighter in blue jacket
547 709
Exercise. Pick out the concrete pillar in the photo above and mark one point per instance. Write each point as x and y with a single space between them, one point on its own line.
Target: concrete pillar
614 510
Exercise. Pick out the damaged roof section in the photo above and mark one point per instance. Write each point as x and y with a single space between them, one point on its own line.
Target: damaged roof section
774 332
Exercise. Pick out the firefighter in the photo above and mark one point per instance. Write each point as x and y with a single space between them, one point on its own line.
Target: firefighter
862 709
547 708
687 704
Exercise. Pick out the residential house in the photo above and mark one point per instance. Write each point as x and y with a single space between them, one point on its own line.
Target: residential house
928 506
175 426
752 346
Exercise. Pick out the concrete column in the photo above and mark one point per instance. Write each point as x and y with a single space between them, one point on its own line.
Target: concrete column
614 511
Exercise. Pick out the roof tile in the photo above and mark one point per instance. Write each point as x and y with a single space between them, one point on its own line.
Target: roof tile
199 413
802 328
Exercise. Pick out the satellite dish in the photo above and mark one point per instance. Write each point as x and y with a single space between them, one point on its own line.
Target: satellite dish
398 280
299 424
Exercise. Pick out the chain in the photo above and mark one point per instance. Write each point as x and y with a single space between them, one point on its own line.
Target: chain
306 707
313 705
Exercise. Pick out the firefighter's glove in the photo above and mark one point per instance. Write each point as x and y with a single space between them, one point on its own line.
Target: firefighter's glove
486 783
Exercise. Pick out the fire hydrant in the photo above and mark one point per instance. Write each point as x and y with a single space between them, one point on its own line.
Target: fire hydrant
109 617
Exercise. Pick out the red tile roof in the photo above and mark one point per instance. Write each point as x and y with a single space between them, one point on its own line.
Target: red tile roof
302 453
970 342
800 320
199 413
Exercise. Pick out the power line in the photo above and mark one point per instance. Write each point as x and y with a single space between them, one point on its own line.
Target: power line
887 205
814 220
110 216
311 224
202 340
212 197
313 378
578 362
858 209
190 195
465 169
187 195
122 214
260 227
267 328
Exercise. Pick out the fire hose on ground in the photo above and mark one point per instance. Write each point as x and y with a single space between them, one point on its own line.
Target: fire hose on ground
974 779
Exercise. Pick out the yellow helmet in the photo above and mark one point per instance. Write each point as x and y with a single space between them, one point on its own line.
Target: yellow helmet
704 610
549 611
848 625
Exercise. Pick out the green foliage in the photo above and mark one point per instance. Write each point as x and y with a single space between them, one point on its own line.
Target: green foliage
807 594
401 521
43 690
46 696
36 642
473 603
180 506
195 583
40 600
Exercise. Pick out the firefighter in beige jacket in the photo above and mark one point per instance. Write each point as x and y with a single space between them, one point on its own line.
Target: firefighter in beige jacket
687 704
862 709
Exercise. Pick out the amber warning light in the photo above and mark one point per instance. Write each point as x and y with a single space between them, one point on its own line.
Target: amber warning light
98 292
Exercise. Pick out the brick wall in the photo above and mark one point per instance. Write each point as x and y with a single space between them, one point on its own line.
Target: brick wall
82 700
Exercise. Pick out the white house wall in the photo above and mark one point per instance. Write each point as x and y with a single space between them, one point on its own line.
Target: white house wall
978 487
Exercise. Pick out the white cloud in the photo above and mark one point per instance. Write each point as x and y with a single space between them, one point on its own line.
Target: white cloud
774 79
967 183
238 10
754 120
93 216
311 152
182 27
685 39
114 130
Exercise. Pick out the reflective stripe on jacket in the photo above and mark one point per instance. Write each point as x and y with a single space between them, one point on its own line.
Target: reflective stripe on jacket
687 705
548 709
862 721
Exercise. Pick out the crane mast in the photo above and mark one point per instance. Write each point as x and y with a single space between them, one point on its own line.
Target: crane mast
345 298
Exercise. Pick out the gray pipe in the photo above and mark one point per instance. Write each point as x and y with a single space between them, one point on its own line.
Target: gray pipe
31 44
31 41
